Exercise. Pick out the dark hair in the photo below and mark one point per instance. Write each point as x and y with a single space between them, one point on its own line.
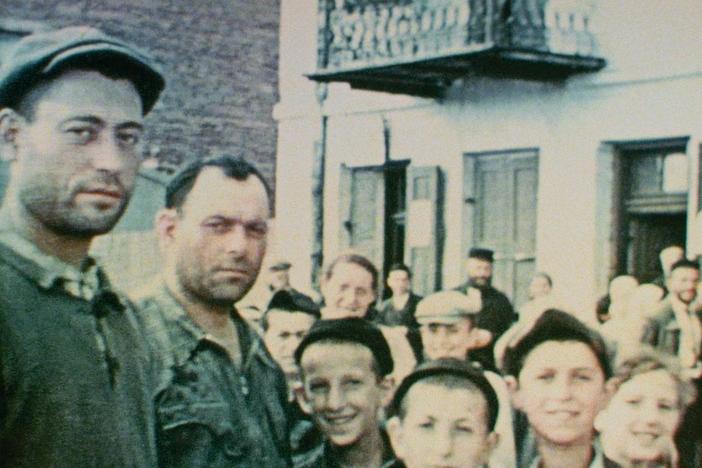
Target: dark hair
356 259
556 325
290 302
684 263
400 267
449 373
235 167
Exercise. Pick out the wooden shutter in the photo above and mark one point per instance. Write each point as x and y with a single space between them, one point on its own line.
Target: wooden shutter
422 239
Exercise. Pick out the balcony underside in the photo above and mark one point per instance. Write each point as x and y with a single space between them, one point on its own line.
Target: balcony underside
429 77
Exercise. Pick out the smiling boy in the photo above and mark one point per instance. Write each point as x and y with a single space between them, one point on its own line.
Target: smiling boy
344 365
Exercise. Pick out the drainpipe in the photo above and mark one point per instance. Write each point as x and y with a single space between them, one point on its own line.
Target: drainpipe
318 167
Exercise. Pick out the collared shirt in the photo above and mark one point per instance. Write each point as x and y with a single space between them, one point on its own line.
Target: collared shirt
690 332
82 282
210 412
76 388
598 460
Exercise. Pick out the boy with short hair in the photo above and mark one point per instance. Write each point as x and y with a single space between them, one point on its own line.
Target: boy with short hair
556 371
344 365
444 415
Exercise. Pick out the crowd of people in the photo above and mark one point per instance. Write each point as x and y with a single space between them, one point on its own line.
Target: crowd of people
178 374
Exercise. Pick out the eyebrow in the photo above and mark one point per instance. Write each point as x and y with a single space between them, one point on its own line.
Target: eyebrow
96 121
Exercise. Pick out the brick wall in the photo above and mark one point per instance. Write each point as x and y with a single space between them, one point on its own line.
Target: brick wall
220 61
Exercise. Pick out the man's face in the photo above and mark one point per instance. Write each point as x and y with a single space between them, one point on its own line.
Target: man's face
76 160
683 283
279 279
399 282
561 389
348 292
447 340
640 421
342 390
218 239
479 271
285 331
444 427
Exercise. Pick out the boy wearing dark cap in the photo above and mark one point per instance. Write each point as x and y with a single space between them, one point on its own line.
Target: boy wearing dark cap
74 389
344 365
556 371
444 414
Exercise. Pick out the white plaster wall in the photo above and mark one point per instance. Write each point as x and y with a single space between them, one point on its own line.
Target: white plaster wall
652 88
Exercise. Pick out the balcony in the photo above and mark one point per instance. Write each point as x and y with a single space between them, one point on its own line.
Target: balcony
418 47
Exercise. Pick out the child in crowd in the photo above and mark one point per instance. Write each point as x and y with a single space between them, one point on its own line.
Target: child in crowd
649 398
344 364
556 373
287 320
444 415
447 327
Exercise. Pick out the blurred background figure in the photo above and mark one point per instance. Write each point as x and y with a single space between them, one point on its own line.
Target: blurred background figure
622 286
668 257
541 297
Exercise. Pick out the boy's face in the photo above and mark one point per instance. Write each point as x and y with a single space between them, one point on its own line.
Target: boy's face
447 339
342 390
442 426
641 419
284 333
561 389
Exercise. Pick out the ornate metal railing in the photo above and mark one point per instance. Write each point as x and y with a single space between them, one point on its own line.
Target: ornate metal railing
356 34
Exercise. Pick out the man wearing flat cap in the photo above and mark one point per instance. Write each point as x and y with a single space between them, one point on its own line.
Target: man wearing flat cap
496 314
74 387
279 280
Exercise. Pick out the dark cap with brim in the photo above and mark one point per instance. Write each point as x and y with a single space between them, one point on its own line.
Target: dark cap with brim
555 325
293 301
469 371
281 265
352 330
482 254
46 53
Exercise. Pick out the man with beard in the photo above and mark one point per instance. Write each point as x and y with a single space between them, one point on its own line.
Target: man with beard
74 382
676 329
497 313
222 399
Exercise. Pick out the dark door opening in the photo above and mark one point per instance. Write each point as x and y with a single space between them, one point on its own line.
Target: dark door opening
648 235
395 215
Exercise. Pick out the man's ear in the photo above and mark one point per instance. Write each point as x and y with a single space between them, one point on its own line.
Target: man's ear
514 393
11 123
387 388
493 439
166 223
394 429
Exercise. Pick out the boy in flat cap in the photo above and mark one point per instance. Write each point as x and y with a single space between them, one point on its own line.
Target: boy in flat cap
556 372
74 389
448 327
496 314
444 414
345 364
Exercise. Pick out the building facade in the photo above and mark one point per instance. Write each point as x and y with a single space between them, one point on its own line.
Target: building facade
563 134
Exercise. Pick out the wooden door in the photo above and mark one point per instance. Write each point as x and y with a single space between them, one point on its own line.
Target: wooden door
500 191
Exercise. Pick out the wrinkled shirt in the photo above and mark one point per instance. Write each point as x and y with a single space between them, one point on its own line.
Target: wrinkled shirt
211 413
75 382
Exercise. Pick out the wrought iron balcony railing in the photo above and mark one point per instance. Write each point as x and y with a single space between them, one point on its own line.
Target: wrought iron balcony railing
419 46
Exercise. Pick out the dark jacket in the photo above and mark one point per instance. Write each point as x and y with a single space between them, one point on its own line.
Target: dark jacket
662 330
323 455
74 383
209 412
496 316
387 315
